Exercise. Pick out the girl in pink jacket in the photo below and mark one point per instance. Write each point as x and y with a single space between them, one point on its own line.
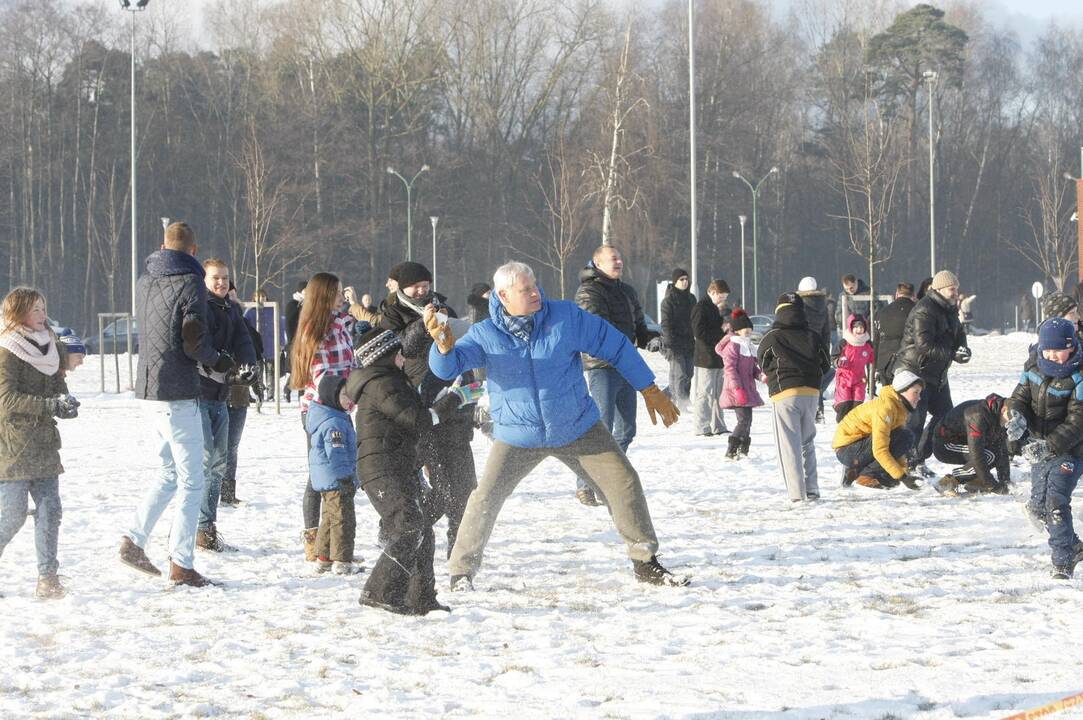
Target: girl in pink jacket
739 380
855 355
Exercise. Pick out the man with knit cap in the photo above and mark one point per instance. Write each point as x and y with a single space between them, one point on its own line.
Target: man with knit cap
819 322
677 335
532 350
932 340
794 361
872 441
447 453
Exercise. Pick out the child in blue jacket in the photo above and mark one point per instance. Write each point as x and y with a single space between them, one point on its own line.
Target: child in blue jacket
332 460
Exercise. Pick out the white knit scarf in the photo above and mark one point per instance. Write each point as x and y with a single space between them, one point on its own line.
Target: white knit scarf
18 344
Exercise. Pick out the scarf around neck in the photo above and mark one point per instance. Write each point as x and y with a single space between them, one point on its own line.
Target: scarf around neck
26 344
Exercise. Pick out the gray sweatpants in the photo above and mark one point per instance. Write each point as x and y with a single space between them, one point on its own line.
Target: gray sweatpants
595 455
795 438
706 414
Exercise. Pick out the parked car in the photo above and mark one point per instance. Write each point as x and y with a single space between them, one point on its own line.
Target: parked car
653 328
760 325
115 337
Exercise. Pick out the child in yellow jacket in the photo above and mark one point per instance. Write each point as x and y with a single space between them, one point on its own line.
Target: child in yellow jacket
872 440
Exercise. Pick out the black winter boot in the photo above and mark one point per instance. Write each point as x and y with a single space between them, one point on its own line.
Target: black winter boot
745 444
734 448
652 572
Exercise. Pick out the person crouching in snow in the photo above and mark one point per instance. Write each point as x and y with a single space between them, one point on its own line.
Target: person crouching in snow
872 441
332 459
974 436
32 393
1050 396
794 361
739 373
391 423
855 356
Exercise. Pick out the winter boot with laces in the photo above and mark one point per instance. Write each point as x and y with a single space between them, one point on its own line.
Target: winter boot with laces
1062 572
734 448
208 539
49 588
186 576
135 557
652 572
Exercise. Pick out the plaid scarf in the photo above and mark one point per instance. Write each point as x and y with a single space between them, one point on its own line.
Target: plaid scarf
520 327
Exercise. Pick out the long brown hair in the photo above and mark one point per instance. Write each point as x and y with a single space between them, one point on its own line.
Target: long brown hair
17 304
312 326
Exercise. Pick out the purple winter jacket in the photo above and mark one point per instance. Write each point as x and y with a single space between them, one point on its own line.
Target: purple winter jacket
740 371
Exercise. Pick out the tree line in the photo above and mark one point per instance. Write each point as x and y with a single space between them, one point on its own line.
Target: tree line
548 128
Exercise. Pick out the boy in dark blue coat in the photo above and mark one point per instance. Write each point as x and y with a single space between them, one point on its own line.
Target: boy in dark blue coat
331 462
1050 396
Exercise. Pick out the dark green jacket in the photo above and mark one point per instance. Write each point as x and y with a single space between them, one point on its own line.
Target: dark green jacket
29 439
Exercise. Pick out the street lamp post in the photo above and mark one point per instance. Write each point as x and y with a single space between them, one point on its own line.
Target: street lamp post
692 139
755 236
930 79
139 6
744 287
434 219
409 216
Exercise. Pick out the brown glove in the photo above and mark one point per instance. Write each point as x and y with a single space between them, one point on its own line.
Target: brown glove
658 402
440 332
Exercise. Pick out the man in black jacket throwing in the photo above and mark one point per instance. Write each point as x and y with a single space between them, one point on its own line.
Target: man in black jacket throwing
602 292
932 340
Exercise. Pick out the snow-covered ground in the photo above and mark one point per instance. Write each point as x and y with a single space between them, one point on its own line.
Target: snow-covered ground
868 604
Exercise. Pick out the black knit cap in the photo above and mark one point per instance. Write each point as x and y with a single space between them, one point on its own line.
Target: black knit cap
375 344
679 273
739 320
329 388
1056 304
790 298
409 273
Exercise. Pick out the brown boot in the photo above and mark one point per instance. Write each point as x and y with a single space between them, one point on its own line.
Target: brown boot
183 576
208 540
309 536
49 588
134 557
869 482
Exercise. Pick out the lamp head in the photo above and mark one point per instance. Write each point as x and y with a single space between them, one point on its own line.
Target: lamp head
390 170
125 4
142 4
423 168
434 219
1069 176
742 218
774 169
736 174
929 75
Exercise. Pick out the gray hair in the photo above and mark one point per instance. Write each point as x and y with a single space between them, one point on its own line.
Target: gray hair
507 274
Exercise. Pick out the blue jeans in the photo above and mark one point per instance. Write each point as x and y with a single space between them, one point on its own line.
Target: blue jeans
616 401
1051 486
47 514
215 416
858 455
237 418
178 430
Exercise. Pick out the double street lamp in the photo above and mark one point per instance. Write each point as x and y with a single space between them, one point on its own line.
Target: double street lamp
409 207
755 238
930 79
133 9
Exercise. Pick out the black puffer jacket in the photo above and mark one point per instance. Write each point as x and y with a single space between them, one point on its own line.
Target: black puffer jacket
390 422
890 326
707 328
976 424
408 325
171 312
791 355
615 301
1052 406
931 337
677 320
226 330
818 316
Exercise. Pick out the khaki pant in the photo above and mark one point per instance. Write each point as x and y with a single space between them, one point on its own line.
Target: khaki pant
595 455
338 524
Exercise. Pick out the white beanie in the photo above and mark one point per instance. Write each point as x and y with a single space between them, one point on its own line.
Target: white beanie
904 379
807 284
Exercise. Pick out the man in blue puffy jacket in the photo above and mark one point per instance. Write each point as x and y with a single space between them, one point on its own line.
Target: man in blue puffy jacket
530 349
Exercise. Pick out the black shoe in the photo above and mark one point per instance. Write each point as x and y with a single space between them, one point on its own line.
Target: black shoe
434 605
231 500
369 601
653 573
1062 572
850 476
706 434
820 416
734 448
742 451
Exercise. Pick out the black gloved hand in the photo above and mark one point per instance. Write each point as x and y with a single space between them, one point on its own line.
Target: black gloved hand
655 344
447 407
224 363
247 374
962 355
65 407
